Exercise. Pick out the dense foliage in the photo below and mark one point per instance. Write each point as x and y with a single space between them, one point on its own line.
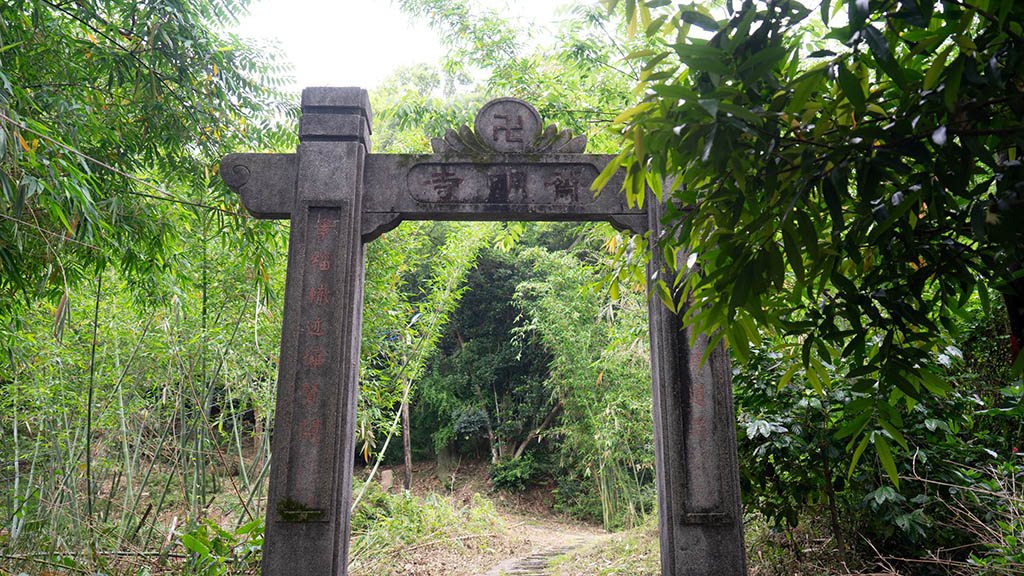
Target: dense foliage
855 187
855 179
848 189
113 118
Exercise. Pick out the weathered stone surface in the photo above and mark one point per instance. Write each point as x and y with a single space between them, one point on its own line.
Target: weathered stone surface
387 480
700 521
496 187
334 128
311 465
265 181
339 196
508 126
350 100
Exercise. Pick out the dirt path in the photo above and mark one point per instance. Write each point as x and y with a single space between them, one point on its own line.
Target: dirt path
526 535
547 539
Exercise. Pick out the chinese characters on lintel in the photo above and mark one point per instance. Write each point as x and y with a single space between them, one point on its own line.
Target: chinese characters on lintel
445 183
566 184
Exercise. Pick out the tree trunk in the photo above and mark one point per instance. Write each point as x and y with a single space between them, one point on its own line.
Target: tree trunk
1014 297
832 511
547 422
407 445
495 446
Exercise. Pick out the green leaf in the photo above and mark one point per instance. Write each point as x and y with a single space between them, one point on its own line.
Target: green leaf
894 432
703 58
765 59
715 340
665 295
710 106
742 286
249 527
709 143
606 174
983 296
793 253
747 323
740 112
831 194
814 377
858 13
787 376
851 87
656 25
883 55
931 78
933 383
193 544
655 184
862 371
885 456
638 54
951 92
855 427
804 88
857 454
738 341
700 20
979 213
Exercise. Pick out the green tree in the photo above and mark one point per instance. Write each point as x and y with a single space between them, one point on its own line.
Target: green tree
484 382
570 81
600 376
113 117
855 181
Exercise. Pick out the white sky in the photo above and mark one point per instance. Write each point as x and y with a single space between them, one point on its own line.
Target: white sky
359 42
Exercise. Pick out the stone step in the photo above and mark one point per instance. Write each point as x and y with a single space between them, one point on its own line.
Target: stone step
535 564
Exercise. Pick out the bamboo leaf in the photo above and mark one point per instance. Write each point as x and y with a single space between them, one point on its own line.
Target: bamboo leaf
851 87
855 427
885 456
894 432
931 78
857 454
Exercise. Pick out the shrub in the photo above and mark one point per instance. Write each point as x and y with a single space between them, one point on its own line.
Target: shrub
515 475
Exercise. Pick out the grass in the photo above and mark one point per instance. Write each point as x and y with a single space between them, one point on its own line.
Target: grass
804 551
634 552
405 534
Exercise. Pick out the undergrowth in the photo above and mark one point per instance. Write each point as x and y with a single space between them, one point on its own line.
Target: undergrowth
633 552
389 528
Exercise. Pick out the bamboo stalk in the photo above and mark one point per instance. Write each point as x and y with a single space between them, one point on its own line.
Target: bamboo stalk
129 462
92 381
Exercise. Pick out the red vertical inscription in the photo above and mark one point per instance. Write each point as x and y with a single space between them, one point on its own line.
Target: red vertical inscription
312 421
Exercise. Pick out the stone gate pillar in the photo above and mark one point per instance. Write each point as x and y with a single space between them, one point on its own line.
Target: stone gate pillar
700 524
311 464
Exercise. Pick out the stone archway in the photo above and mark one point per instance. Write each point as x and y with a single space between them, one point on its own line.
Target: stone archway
340 196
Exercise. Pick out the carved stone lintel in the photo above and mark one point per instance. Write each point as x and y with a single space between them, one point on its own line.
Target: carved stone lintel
265 181
635 223
508 126
377 223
